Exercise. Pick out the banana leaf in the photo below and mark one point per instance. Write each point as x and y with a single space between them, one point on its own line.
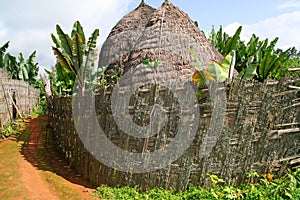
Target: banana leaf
202 76
232 43
199 66
90 54
64 62
56 42
78 51
263 66
66 43
77 28
3 49
249 72
31 58
22 72
215 70
222 71
91 46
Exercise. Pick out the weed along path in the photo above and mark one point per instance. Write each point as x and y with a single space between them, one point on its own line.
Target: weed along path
28 170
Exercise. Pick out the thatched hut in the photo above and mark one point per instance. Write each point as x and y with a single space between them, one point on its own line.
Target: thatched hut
3 75
165 34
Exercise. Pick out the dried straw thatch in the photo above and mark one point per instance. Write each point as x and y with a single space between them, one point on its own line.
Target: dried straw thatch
165 34
125 34
3 75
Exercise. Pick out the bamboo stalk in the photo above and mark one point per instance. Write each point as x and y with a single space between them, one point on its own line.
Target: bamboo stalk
289 158
15 105
282 132
289 124
284 93
294 87
294 69
294 105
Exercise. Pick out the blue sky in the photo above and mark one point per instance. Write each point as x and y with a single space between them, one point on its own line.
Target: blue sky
27 24
267 18
214 12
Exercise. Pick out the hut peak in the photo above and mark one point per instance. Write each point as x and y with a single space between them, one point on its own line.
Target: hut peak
164 34
167 2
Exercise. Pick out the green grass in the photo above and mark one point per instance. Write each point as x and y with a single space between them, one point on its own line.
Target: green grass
10 129
10 178
286 187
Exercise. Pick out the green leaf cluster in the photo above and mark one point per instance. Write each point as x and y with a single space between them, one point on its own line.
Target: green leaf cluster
10 129
256 59
146 63
75 59
23 69
285 187
214 71
19 68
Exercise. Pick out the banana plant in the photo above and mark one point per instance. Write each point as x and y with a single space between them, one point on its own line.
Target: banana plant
22 69
2 53
32 68
10 65
74 53
214 71
260 60
19 69
62 81
223 42
256 59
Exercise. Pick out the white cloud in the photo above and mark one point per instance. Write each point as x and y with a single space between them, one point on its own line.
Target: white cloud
32 22
231 28
289 4
2 32
285 26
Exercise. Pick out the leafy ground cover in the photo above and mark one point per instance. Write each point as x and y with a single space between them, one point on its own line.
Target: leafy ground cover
286 187
11 186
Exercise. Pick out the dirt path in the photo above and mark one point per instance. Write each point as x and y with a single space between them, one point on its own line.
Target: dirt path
41 174
31 177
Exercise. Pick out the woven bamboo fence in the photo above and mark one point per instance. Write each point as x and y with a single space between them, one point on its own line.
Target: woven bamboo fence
261 132
26 97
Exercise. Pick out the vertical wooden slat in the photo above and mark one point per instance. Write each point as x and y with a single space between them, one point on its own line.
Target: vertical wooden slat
254 137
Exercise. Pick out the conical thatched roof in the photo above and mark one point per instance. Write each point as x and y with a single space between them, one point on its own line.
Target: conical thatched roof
3 74
125 34
165 34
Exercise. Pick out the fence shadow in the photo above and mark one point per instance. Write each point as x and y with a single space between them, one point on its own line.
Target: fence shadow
38 149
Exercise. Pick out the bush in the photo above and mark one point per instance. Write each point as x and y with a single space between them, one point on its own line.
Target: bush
285 187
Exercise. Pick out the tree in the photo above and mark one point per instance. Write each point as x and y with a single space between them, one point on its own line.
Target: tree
20 69
292 65
2 54
256 59
73 53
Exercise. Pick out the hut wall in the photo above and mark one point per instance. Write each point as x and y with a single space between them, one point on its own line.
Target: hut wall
261 129
26 97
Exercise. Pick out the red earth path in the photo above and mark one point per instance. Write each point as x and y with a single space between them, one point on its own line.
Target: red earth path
31 165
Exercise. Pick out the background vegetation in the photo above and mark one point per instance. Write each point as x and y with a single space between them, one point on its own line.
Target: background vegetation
257 59
73 53
23 69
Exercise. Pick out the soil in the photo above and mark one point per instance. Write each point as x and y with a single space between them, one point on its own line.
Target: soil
33 163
